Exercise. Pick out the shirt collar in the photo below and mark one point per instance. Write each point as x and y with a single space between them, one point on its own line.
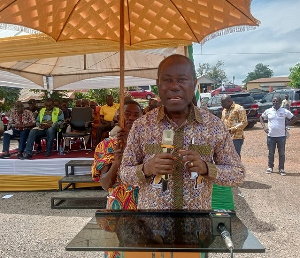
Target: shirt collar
194 114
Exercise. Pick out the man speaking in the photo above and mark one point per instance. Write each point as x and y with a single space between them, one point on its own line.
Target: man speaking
199 154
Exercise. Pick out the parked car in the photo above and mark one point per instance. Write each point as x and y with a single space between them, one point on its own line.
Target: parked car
141 94
230 88
294 96
243 99
258 96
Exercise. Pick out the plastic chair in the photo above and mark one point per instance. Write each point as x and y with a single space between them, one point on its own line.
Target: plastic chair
81 125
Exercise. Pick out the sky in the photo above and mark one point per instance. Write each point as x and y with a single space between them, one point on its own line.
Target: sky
276 42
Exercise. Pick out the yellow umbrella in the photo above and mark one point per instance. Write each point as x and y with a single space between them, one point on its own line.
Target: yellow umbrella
130 22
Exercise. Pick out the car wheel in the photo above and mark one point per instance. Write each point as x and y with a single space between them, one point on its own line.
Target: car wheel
148 96
250 125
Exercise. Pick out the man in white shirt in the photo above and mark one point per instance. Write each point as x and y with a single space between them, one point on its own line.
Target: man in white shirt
276 131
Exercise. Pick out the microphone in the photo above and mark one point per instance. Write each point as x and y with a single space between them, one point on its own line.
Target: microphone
221 226
167 146
226 236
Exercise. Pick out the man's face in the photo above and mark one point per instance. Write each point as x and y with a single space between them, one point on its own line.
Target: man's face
56 103
176 84
49 105
32 106
93 105
109 100
19 107
131 113
276 103
226 103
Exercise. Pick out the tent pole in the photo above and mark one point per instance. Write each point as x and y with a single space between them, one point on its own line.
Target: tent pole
122 64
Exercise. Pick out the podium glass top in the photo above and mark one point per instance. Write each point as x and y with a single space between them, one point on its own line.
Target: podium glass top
161 231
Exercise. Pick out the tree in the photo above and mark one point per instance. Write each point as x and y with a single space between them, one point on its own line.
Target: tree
8 97
55 95
215 72
99 95
260 71
295 76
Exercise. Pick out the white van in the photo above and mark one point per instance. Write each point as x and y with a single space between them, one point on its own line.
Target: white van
205 96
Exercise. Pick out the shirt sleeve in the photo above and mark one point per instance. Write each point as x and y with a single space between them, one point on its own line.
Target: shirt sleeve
242 117
265 114
102 111
289 114
131 170
104 155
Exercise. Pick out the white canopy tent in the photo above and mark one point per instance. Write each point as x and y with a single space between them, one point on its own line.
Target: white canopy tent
76 64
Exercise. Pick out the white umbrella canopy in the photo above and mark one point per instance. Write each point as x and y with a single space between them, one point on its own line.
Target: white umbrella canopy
76 72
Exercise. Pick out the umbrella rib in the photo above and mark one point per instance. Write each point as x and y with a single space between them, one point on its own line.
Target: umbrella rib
66 21
229 2
185 20
8 5
129 30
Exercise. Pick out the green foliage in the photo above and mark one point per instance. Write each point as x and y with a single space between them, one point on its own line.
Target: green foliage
55 95
99 95
260 71
215 72
295 76
8 97
154 89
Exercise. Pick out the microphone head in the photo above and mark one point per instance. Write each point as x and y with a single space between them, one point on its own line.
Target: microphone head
168 137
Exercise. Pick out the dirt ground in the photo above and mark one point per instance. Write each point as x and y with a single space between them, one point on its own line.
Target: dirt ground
268 204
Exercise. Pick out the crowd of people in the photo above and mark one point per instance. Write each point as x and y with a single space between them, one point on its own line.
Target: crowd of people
32 124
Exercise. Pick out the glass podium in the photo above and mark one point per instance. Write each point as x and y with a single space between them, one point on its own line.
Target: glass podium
161 231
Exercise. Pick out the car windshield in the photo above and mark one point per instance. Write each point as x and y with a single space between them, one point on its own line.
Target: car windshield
243 99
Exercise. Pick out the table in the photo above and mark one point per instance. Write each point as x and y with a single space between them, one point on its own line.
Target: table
160 231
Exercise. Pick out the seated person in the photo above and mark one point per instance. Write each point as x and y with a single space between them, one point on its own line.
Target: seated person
107 113
153 103
78 103
33 108
65 110
4 119
96 118
48 122
21 121
85 103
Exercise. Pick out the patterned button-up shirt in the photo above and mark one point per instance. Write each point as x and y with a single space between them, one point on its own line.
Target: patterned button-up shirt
235 118
24 119
211 141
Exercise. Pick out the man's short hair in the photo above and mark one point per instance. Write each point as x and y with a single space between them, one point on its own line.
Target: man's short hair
190 62
49 100
131 101
32 101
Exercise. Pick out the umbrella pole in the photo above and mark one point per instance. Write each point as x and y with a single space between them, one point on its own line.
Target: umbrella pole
122 64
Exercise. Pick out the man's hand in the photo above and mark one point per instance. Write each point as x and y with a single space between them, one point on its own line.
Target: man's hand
266 129
121 143
160 164
193 162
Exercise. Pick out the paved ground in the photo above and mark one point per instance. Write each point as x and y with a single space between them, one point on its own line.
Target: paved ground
267 204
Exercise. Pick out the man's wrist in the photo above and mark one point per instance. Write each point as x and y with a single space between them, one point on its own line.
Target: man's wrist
145 173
